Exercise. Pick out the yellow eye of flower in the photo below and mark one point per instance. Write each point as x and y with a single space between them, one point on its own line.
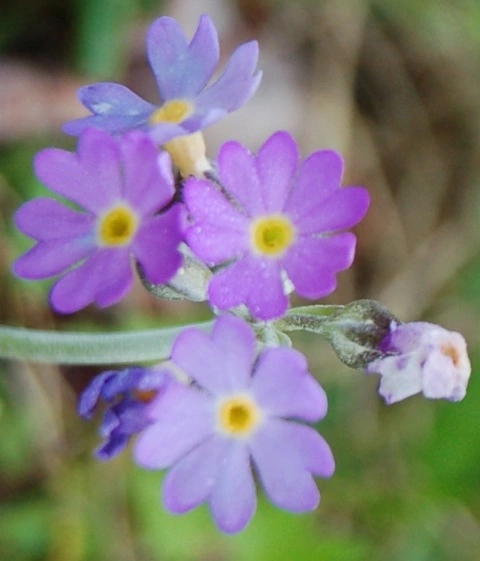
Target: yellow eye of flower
117 227
173 111
271 235
238 416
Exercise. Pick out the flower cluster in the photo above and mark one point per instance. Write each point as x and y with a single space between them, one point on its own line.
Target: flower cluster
242 233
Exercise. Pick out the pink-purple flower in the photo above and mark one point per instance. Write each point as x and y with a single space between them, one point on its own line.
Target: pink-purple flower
182 71
244 412
128 394
122 189
422 357
275 223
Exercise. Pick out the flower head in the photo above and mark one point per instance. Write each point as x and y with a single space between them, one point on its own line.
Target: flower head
243 409
276 219
182 71
121 187
129 394
422 357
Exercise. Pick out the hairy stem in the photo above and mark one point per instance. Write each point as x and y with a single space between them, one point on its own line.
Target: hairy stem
88 348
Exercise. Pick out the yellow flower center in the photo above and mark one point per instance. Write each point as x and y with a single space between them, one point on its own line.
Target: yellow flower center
117 226
173 111
271 235
238 416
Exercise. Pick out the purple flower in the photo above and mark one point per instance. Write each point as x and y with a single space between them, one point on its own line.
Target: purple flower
422 357
129 394
276 220
182 71
243 409
121 188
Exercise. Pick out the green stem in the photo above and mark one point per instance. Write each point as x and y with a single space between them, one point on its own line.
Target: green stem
307 318
89 348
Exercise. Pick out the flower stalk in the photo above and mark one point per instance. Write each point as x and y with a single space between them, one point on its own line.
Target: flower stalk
88 348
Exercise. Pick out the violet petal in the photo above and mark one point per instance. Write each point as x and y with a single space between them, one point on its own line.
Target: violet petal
318 175
219 232
276 163
238 173
182 418
315 454
192 479
202 359
312 263
236 84
51 257
62 173
90 396
285 480
236 340
101 158
147 187
103 278
116 109
341 209
233 499
47 219
253 282
156 245
181 70
284 387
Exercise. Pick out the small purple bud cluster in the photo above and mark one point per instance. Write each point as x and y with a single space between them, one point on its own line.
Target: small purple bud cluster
224 407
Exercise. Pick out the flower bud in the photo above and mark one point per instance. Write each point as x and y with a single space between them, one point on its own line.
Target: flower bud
128 394
189 283
354 331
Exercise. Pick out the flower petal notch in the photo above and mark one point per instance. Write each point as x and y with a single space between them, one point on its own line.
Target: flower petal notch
129 394
421 357
244 411
122 189
183 71
275 219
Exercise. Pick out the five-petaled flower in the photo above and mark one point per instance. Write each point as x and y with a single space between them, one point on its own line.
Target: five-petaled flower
182 71
243 409
128 394
275 223
422 357
122 188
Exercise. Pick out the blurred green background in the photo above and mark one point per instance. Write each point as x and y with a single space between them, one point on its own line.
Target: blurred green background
395 86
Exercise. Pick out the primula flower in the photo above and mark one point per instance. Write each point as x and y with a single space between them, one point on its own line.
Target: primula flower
275 220
422 357
241 409
129 394
182 71
121 188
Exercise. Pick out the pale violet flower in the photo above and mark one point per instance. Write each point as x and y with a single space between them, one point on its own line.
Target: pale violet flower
422 358
244 413
279 222
123 192
183 72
